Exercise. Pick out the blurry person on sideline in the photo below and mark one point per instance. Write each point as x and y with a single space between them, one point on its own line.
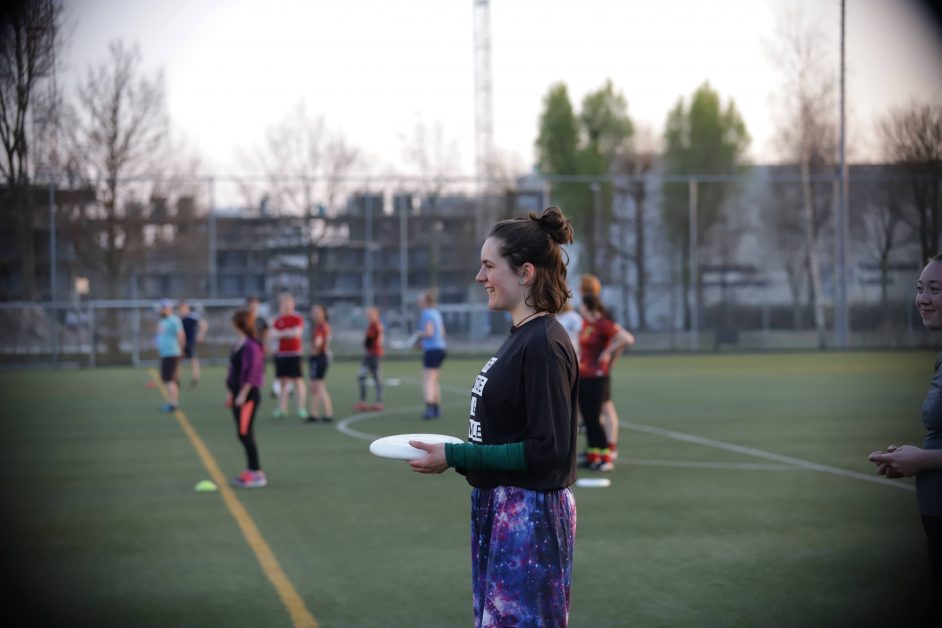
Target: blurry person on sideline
322 408
925 462
170 340
194 329
287 331
261 334
261 324
591 286
571 321
372 356
600 340
432 334
521 456
244 380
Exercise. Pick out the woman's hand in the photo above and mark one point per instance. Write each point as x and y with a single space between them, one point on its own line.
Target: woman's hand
433 462
604 358
240 400
897 462
229 400
883 468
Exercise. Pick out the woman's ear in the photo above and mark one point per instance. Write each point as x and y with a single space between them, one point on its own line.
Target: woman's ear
527 271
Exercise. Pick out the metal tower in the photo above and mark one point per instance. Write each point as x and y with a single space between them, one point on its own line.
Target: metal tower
483 109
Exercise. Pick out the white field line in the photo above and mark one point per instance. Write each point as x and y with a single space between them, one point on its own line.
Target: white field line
767 455
694 464
690 438
344 424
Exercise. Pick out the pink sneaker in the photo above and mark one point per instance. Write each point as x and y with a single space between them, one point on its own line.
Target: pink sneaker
361 406
376 407
250 479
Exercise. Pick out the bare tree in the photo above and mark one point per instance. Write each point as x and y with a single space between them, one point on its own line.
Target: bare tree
912 137
636 163
882 228
30 35
291 160
807 133
178 206
119 130
434 158
305 166
340 158
784 231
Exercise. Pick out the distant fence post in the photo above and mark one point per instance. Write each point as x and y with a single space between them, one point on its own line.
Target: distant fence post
135 324
694 265
211 234
92 334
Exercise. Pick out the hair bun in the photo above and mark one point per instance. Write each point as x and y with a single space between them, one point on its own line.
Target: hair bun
555 224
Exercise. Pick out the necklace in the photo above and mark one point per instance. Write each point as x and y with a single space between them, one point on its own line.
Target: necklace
525 319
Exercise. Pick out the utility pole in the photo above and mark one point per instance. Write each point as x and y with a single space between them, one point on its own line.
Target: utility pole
483 109
840 226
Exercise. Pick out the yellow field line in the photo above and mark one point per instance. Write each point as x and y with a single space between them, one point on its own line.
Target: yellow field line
300 615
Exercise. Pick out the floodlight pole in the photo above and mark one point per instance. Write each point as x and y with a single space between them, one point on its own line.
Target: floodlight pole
840 227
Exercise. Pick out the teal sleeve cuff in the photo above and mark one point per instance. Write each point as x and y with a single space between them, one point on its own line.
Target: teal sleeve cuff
508 457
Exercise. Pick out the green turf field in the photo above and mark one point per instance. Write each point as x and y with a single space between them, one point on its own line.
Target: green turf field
103 527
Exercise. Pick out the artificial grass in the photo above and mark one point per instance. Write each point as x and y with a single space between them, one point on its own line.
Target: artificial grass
104 528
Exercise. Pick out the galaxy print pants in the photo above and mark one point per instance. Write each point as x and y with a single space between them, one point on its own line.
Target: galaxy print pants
521 556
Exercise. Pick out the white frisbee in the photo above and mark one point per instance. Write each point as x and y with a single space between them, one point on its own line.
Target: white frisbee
593 482
398 447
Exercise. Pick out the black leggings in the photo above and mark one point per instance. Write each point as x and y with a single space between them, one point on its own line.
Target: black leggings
933 528
591 392
244 416
370 367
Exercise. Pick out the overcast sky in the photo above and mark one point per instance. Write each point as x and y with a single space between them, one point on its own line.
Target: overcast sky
375 68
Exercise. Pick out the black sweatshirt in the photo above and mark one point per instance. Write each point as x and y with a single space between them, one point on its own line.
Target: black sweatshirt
528 392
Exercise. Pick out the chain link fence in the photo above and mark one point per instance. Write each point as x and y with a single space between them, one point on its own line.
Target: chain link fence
698 263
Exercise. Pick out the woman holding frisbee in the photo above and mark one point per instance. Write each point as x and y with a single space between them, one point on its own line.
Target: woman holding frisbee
245 378
432 334
521 455
925 462
319 361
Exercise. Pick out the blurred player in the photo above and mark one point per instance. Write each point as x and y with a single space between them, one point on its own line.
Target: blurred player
601 338
571 321
244 380
287 330
432 333
194 329
925 462
169 340
591 286
261 325
373 354
319 361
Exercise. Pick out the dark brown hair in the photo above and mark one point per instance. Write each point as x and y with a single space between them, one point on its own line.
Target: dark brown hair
537 239
324 310
594 304
244 321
